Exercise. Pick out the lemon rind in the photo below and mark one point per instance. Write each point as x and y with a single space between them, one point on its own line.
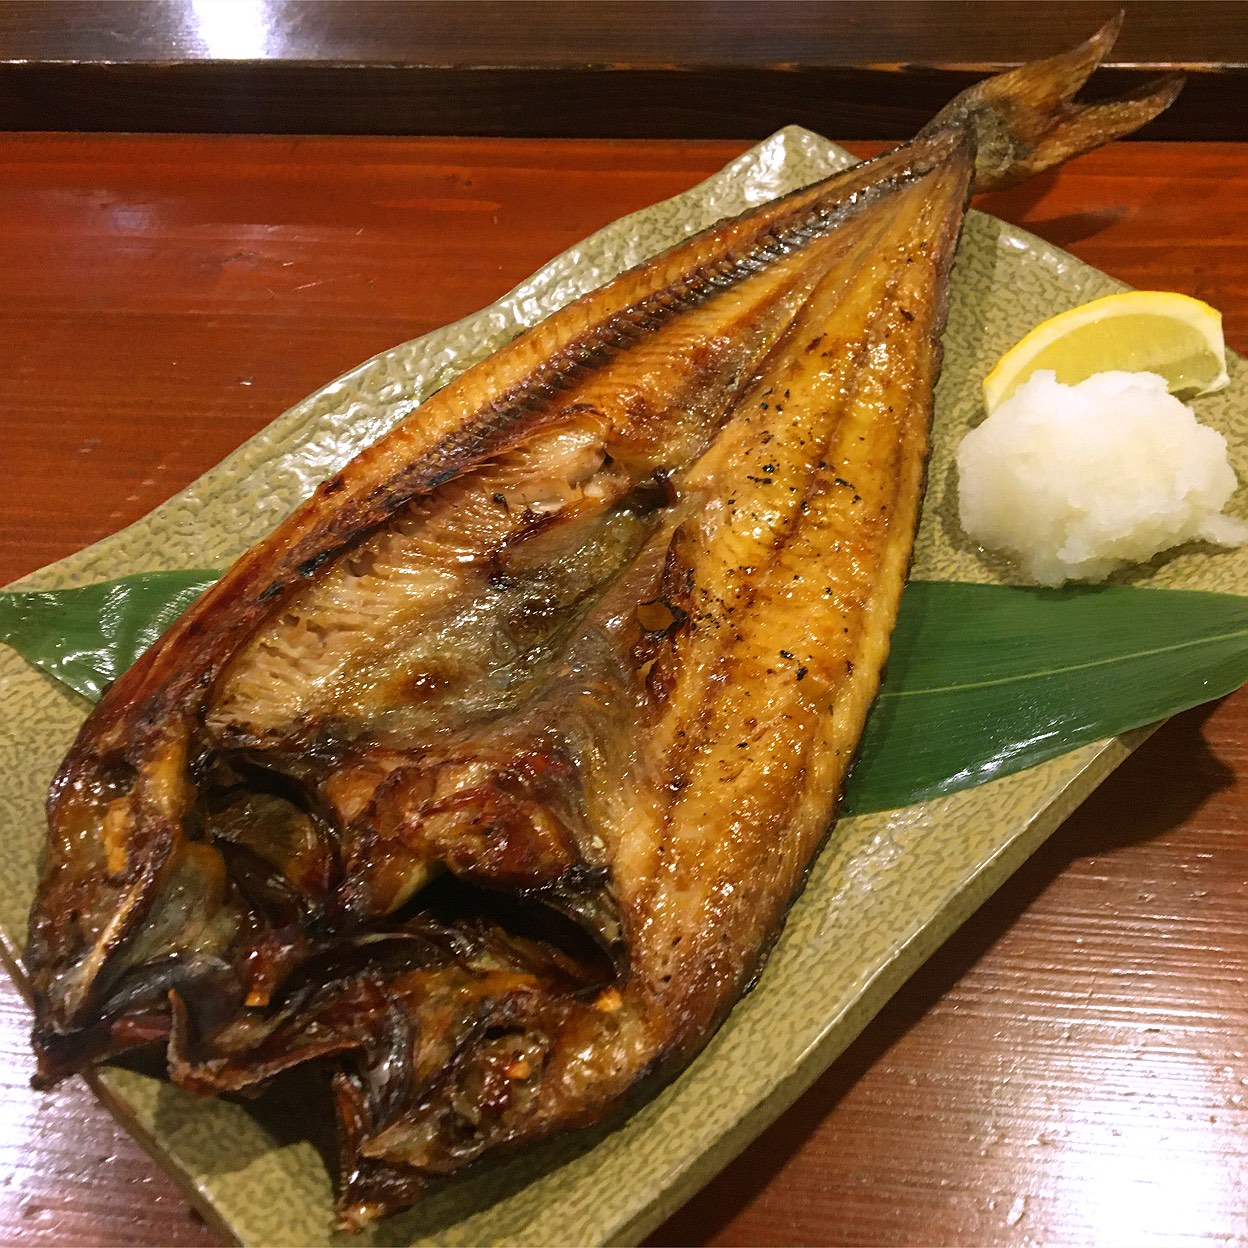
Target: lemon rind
1012 369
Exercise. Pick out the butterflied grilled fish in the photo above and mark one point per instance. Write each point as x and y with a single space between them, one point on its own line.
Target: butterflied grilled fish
488 777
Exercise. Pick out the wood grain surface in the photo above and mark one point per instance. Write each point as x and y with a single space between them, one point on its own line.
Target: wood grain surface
971 34
681 68
1071 1068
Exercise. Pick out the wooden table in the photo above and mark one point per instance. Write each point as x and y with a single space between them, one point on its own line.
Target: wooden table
1071 1068
862 69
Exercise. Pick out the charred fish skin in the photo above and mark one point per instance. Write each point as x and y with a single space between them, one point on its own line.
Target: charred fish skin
489 776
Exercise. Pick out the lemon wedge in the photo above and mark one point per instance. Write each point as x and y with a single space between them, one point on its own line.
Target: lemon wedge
1137 331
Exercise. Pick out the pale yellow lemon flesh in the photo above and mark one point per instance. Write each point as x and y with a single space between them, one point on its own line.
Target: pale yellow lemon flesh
1140 331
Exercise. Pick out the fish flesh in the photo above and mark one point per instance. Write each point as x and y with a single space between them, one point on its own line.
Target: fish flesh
486 780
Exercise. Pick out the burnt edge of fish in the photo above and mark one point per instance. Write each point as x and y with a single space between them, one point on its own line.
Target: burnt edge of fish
485 782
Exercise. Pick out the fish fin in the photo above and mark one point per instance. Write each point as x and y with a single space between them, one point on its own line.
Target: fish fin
1025 120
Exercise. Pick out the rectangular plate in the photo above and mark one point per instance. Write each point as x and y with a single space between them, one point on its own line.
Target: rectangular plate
884 893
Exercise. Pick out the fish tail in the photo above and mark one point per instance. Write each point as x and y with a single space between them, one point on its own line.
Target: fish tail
1026 120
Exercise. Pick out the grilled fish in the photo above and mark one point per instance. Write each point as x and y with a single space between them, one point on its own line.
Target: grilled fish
488 777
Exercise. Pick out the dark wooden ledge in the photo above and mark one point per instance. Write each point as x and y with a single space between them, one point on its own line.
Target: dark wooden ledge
580 68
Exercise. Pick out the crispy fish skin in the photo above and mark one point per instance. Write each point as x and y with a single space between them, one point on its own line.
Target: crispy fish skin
489 776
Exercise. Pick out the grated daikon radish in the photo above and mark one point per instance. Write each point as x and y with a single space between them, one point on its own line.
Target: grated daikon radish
1075 482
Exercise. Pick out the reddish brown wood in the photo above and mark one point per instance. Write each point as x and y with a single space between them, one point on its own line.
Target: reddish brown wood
1071 1068
562 33
860 68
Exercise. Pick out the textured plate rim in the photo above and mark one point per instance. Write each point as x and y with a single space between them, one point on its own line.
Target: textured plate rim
1095 763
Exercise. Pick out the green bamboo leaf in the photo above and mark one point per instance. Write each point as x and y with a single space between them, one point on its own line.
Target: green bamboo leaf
87 637
985 680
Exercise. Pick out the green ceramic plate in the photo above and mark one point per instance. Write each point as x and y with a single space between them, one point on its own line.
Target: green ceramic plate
885 892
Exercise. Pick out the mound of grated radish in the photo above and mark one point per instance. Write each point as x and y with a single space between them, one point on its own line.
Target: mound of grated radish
1075 482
